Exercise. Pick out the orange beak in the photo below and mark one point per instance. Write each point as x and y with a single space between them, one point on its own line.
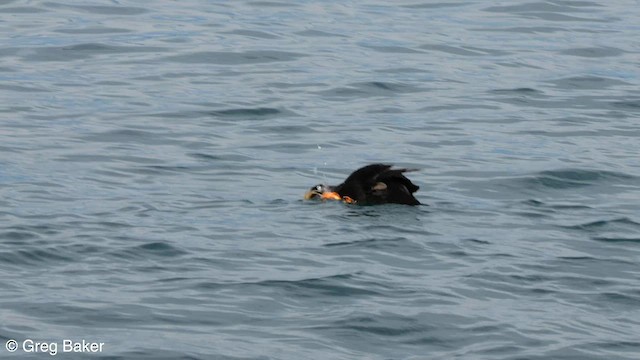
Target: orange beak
309 195
331 195
348 200
328 195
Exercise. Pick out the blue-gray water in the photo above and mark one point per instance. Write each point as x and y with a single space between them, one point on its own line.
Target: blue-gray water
153 156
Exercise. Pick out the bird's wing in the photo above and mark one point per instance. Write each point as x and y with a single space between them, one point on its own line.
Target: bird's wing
397 176
379 184
392 186
366 176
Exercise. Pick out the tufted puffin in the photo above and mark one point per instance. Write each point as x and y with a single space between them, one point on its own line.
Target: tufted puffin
370 185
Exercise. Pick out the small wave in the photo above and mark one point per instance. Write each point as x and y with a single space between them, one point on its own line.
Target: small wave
421 329
624 299
434 5
570 178
326 286
163 169
318 33
600 224
22 10
392 326
259 112
253 34
367 89
22 234
464 50
593 52
619 230
134 136
161 249
617 239
629 104
26 89
17 236
522 90
147 250
541 204
234 58
102 10
43 256
235 158
393 49
162 354
77 51
566 181
284 4
526 29
332 286
587 83
371 243
536 7
91 30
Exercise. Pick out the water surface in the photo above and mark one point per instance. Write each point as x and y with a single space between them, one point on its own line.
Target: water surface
153 157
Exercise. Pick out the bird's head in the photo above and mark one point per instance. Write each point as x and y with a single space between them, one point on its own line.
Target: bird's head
323 192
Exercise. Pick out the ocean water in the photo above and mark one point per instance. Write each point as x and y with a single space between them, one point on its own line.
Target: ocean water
153 157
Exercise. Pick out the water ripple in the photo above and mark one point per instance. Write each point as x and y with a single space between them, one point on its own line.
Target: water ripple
235 58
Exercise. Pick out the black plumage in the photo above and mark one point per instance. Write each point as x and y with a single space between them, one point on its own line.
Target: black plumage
370 185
